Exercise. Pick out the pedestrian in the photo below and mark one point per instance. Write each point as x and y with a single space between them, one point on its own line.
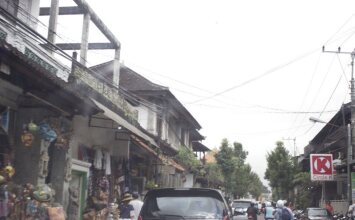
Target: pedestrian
137 204
278 211
288 206
252 212
329 208
126 209
269 210
351 209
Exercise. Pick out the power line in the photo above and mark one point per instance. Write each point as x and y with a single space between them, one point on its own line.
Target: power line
257 77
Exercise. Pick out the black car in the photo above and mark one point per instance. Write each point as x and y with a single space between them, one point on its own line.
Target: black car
184 204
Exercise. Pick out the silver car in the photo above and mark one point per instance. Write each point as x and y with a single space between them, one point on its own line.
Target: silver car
239 209
184 204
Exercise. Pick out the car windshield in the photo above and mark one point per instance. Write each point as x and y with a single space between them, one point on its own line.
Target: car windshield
241 204
182 207
317 212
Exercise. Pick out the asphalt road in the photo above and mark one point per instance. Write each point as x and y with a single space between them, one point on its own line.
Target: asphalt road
260 217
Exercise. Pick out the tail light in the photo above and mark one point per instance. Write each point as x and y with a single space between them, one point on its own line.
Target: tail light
140 217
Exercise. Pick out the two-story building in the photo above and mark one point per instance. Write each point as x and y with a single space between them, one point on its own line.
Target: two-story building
332 139
71 135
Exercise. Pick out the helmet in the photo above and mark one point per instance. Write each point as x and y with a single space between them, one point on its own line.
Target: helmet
280 204
268 204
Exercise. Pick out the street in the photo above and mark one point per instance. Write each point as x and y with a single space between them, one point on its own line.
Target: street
260 217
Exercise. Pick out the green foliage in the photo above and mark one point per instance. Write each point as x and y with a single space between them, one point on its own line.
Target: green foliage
214 173
256 186
280 171
187 157
304 185
238 178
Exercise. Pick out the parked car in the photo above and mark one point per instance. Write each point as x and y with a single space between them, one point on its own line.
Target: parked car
239 208
316 214
184 204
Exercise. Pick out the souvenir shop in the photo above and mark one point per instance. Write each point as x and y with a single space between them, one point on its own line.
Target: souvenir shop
28 193
106 163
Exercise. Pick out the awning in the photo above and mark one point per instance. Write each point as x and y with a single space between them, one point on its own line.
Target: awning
167 160
199 147
121 121
143 145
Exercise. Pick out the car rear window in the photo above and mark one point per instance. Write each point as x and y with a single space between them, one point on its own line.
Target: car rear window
183 205
241 204
317 212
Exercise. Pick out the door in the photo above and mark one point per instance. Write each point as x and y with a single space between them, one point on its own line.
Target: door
77 194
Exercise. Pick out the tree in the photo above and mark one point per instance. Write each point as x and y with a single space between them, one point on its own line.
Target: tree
187 158
238 177
227 162
214 173
256 187
280 171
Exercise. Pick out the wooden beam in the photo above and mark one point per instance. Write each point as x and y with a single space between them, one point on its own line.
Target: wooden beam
72 10
92 46
98 22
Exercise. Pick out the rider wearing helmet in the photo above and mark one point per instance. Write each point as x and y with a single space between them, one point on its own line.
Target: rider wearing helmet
278 212
269 211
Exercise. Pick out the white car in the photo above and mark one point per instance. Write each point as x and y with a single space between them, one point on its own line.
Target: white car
239 209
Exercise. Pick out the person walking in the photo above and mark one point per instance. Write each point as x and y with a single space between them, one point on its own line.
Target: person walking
288 206
252 212
329 208
137 204
126 209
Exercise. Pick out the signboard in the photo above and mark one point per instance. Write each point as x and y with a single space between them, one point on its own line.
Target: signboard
321 167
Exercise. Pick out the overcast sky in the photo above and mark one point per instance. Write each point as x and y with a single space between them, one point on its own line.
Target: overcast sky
246 70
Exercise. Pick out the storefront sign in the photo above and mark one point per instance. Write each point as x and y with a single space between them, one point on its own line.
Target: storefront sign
108 92
321 167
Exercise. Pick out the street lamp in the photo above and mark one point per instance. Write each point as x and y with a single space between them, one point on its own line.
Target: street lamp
349 157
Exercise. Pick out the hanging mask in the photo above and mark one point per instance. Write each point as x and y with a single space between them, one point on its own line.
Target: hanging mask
27 139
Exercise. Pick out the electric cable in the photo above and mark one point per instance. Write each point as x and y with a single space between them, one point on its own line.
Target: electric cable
272 70
308 88
341 27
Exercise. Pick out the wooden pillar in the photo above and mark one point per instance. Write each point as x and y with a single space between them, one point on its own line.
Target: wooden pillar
85 39
53 20
116 68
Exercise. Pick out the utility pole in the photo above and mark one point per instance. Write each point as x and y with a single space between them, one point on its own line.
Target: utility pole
350 127
294 145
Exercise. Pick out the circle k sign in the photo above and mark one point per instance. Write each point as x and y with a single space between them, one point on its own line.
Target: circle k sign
321 167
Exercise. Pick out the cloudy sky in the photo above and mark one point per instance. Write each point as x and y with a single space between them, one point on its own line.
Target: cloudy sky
249 71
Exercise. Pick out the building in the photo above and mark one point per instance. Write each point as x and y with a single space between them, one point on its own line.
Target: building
332 139
72 136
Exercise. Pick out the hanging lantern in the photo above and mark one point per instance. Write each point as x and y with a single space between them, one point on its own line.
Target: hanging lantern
32 127
27 139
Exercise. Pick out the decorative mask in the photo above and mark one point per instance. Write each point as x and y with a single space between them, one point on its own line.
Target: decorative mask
27 139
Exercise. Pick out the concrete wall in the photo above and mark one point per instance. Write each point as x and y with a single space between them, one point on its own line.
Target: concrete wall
32 7
147 118
97 137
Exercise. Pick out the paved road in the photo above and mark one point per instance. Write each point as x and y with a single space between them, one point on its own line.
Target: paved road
260 217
